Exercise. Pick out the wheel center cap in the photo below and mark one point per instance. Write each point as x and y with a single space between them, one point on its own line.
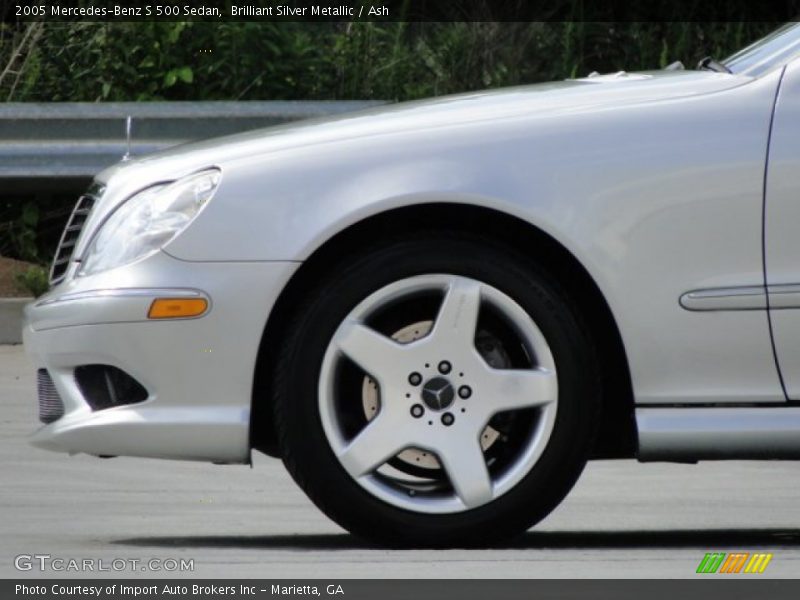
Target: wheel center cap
438 393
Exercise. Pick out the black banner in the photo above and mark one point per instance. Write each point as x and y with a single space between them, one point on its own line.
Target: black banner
729 588
397 10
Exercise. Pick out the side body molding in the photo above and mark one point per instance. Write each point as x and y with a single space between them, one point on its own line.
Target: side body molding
749 297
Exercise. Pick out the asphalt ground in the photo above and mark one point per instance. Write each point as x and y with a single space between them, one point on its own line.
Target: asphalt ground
622 520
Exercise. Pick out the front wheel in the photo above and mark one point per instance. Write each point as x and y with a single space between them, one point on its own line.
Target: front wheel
437 392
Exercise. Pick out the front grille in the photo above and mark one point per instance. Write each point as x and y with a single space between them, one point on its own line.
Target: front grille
51 408
104 386
71 234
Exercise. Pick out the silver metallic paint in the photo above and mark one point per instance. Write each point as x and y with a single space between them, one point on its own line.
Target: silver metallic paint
672 433
636 217
618 172
198 372
655 184
781 226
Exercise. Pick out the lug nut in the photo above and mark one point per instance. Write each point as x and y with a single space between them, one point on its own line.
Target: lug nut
444 367
448 419
415 378
417 411
464 392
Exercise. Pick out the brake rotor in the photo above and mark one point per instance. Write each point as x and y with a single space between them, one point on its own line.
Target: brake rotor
370 397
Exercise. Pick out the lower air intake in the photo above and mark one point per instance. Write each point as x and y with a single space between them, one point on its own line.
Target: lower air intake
51 408
104 386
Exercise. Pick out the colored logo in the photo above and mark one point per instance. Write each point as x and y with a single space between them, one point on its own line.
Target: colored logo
734 562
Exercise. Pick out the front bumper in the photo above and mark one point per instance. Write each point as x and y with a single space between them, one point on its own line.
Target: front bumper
198 372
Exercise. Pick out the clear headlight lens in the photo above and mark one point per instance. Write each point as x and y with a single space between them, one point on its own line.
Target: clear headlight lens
147 221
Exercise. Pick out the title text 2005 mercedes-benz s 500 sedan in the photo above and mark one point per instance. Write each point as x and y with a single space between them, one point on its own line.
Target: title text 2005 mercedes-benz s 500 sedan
434 313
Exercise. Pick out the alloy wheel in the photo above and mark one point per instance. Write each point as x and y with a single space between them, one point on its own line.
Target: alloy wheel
438 412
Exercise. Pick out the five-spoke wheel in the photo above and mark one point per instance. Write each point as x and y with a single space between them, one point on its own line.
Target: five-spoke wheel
437 390
437 394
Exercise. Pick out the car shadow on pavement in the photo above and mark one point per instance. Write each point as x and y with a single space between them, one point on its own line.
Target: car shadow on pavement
702 538
681 538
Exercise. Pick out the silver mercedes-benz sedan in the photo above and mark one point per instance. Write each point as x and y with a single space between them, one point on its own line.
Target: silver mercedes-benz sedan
435 313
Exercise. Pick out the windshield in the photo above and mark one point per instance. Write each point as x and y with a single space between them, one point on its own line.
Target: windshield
776 49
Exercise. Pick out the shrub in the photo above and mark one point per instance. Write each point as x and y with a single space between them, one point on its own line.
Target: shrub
86 61
34 279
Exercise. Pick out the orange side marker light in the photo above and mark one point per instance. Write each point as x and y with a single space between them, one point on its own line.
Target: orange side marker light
177 308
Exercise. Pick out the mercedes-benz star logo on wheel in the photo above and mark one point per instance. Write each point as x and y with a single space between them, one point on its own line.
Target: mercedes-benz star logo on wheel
437 393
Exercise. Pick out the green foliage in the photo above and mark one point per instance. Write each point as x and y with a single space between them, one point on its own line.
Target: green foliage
30 227
171 61
85 61
34 279
18 234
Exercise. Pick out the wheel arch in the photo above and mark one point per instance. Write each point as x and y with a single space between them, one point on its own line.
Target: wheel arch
617 432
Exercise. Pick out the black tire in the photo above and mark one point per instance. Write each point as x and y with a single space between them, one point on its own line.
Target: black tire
304 446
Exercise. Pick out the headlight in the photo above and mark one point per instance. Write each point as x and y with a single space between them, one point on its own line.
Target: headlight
147 221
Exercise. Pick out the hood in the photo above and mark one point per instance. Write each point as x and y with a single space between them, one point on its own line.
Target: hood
544 100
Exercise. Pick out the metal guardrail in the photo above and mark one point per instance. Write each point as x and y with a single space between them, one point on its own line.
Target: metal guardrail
47 142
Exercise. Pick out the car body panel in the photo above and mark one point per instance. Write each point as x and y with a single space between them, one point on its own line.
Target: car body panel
782 216
653 183
718 433
471 114
198 372
637 217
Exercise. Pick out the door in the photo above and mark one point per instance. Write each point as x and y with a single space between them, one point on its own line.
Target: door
782 229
